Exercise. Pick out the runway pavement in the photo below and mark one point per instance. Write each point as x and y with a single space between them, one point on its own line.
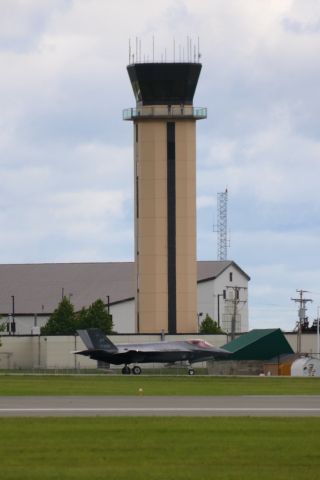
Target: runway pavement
291 406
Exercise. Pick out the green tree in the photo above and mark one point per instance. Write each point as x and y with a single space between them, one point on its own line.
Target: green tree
209 326
96 316
63 320
3 327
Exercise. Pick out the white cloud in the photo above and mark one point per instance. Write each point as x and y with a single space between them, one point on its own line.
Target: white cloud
204 201
23 22
273 165
66 162
77 207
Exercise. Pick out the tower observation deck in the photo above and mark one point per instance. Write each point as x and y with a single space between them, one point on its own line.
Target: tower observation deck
164 121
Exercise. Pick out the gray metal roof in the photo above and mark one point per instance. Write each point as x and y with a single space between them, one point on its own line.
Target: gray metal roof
213 268
38 288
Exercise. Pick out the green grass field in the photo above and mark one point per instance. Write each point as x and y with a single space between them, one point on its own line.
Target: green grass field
181 385
160 448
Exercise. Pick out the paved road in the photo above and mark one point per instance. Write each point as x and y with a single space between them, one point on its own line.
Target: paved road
161 406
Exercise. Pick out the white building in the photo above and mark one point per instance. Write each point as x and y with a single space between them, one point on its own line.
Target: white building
31 292
223 291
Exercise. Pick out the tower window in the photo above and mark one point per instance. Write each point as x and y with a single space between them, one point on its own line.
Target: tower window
136 131
230 276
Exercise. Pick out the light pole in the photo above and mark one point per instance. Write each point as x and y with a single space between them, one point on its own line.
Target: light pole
219 295
199 315
318 336
13 323
108 303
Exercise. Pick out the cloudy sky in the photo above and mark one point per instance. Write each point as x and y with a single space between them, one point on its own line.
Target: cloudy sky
66 166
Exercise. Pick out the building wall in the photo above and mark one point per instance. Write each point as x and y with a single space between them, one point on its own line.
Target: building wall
59 353
25 323
211 292
235 367
152 228
123 313
123 316
16 352
35 352
56 352
308 342
186 263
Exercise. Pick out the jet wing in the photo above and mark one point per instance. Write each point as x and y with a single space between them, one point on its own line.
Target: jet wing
150 356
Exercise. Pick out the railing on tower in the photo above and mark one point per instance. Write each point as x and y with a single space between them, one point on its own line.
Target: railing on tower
165 111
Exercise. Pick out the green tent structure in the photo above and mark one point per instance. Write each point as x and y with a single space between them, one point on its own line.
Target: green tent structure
258 345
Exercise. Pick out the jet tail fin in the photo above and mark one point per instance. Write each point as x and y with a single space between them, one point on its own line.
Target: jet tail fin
95 339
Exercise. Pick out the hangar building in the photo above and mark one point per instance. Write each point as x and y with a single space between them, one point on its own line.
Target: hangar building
36 290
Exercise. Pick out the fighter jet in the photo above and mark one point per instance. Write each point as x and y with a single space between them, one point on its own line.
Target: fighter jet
100 347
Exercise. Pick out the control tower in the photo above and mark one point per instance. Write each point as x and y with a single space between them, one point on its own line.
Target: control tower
165 195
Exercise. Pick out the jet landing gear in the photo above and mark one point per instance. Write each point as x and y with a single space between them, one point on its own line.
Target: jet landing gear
190 369
136 370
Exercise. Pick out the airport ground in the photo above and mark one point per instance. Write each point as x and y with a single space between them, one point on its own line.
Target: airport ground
159 447
15 385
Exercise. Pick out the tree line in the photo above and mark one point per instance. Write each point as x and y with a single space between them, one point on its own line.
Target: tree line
208 325
65 321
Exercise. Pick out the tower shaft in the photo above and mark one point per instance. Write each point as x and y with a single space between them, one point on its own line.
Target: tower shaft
165 196
165 225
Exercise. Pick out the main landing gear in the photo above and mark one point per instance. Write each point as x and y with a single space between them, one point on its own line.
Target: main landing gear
126 370
136 370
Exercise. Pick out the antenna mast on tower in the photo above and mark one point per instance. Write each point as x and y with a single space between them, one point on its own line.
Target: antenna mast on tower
222 225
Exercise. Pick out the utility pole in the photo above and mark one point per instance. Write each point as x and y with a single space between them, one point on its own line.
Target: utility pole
13 322
235 302
303 319
318 333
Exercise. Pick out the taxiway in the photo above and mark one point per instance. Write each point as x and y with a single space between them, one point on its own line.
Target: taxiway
140 405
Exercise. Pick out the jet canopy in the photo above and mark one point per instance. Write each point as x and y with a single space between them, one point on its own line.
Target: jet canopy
198 342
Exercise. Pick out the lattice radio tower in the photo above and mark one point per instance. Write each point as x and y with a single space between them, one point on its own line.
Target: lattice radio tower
222 225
